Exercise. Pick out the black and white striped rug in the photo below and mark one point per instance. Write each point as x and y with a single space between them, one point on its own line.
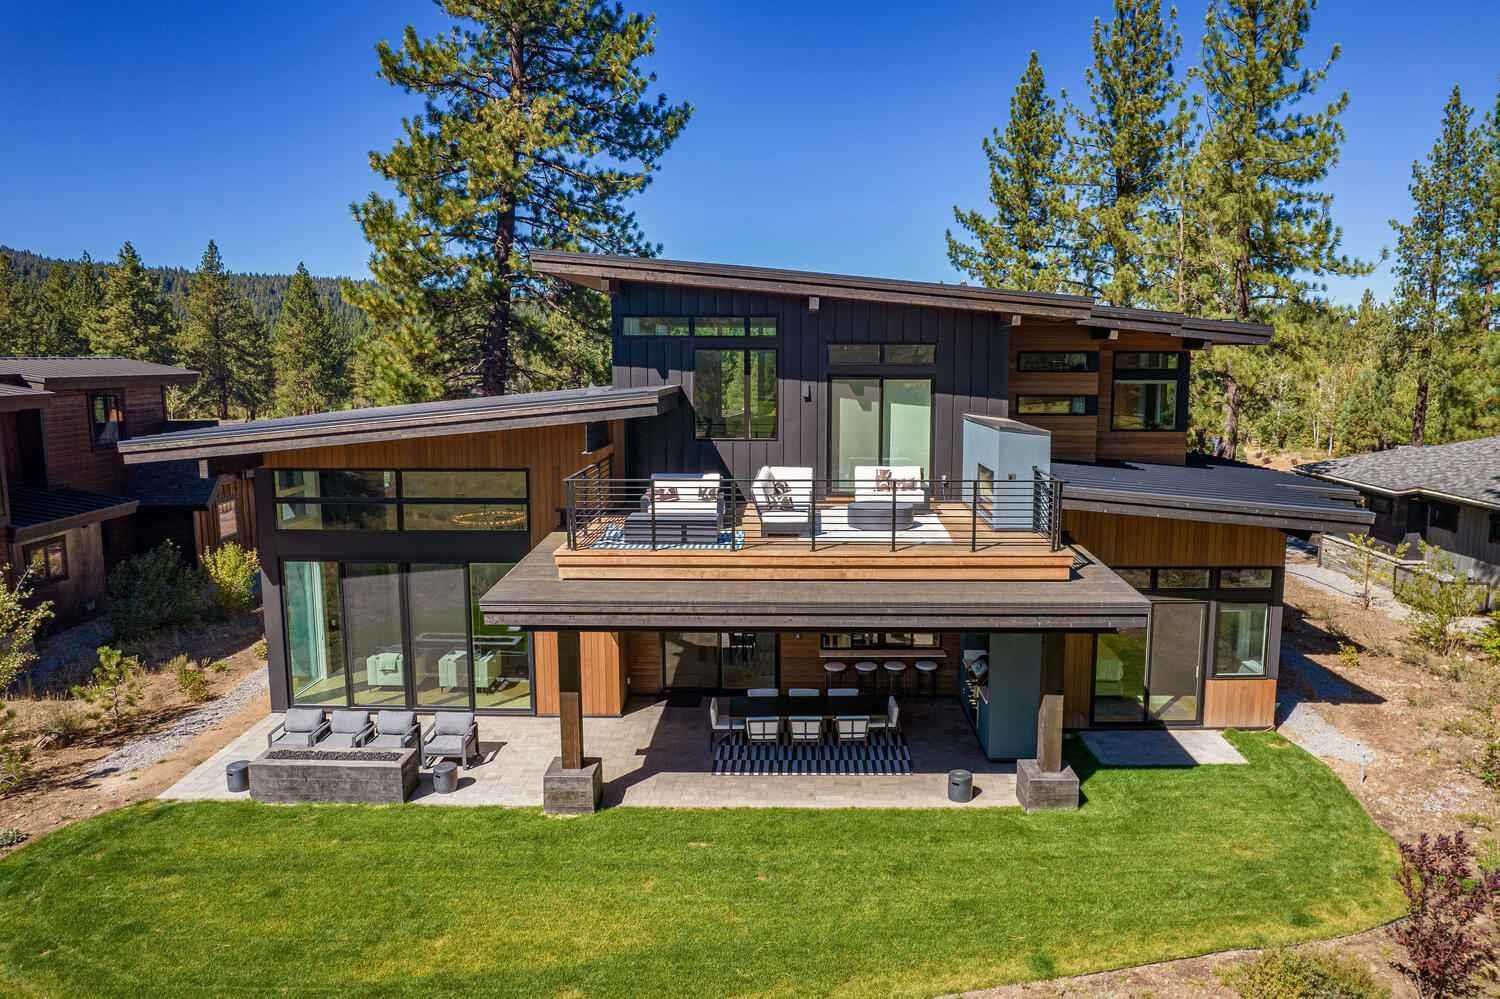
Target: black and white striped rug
883 754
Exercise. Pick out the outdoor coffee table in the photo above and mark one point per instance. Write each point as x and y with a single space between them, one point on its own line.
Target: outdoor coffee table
880 515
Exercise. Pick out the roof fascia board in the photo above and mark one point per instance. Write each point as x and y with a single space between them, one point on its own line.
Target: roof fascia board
1302 521
47 528
1418 491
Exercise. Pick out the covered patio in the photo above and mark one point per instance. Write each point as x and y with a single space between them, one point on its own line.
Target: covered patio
657 754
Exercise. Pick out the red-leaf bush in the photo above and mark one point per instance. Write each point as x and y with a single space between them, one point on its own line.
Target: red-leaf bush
1446 896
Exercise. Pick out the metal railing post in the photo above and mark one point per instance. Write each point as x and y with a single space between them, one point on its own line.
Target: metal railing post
572 514
974 519
651 494
1057 488
893 515
812 514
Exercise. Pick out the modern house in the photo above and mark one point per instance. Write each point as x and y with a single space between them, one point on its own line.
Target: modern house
796 480
71 509
1447 495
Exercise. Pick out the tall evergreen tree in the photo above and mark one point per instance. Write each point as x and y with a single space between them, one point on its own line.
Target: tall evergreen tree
1434 258
224 342
62 313
22 323
1123 147
311 352
538 126
133 320
1264 156
1485 236
1023 243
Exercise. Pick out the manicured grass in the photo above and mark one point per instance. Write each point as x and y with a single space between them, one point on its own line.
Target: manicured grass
222 897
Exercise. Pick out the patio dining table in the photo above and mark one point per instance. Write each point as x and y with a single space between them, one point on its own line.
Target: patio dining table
784 706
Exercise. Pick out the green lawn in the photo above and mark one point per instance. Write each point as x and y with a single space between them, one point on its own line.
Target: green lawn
217 897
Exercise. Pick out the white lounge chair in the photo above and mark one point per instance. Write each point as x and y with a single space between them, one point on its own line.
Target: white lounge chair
684 509
875 482
783 496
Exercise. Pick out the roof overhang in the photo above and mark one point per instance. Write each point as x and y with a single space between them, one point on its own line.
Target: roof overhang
34 530
531 596
598 271
1395 493
435 419
18 397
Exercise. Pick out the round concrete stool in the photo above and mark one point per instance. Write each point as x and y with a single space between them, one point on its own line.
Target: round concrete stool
895 676
445 777
833 672
927 676
864 672
237 775
960 785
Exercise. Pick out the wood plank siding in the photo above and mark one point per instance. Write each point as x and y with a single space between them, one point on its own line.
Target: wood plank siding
72 460
969 375
1123 541
1239 703
549 454
604 676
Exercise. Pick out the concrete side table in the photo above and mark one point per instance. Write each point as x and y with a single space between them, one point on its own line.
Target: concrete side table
237 775
445 777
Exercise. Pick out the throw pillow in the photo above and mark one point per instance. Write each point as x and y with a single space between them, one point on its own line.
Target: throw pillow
664 494
906 485
781 495
882 480
708 494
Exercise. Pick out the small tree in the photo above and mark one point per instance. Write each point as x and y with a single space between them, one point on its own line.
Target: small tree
1439 597
21 621
116 687
232 571
1367 554
191 682
1446 895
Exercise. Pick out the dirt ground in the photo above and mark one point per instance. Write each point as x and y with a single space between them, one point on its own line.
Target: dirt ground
63 787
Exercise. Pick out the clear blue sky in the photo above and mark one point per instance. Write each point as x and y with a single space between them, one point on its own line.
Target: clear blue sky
830 135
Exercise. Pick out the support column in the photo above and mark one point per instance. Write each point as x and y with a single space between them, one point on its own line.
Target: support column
1048 782
573 784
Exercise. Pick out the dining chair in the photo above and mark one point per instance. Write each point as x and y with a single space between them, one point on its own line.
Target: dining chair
891 720
844 692
852 728
720 725
762 692
762 729
805 728
802 692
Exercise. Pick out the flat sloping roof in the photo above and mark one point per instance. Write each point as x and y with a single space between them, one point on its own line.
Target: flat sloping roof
1465 470
596 270
35 513
424 419
171 483
531 596
1213 490
14 396
92 372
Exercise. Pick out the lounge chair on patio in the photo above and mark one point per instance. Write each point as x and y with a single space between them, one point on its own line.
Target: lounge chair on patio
852 728
299 727
783 494
876 482
395 730
350 730
454 735
891 720
686 509
721 725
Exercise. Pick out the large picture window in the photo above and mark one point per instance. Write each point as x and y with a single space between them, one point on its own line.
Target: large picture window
1240 640
47 560
1144 405
734 394
107 418
711 660
701 326
452 500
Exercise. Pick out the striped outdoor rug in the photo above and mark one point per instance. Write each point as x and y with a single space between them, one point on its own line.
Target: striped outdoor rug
883 754
614 537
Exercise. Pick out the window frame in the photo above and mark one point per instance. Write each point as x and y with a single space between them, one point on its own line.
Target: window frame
1175 376
1089 404
1219 607
123 433
1090 362
745 349
1495 527
400 501
881 360
1179 411
749 322
29 553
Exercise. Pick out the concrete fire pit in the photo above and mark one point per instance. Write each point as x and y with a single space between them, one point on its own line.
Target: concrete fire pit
355 776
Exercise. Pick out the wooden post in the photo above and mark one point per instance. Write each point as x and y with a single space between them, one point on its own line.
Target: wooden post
570 697
1049 716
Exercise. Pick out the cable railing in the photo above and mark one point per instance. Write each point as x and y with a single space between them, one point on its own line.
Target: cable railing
711 512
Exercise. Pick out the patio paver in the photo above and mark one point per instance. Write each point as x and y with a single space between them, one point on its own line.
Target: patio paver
657 755
1161 748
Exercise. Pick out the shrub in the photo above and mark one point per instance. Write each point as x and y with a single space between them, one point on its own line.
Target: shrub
1485 765
21 621
1348 655
154 591
1285 974
10 836
191 682
1487 640
232 571
1367 552
1446 897
63 723
1439 596
15 755
116 687
260 650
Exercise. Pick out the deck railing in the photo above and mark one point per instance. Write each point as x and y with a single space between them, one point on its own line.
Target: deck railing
698 512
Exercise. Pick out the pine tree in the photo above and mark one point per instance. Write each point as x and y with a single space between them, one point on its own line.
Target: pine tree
399 365
133 319
1485 236
22 322
61 313
311 352
224 341
1123 147
1264 155
538 126
1023 244
1433 258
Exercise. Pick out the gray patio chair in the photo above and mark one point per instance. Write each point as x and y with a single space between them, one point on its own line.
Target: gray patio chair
299 727
763 729
852 728
891 720
805 728
720 725
350 730
395 730
454 735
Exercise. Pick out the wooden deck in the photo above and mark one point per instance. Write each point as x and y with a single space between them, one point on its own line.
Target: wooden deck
996 556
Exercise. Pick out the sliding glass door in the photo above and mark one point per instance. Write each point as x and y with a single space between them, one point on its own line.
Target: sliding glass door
1152 674
711 660
880 421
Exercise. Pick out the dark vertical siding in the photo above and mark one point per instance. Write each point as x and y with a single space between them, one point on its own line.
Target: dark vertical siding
970 374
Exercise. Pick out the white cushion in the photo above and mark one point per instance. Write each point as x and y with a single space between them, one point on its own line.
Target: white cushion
865 488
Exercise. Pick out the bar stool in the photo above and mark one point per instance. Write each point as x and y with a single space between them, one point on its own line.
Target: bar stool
864 673
833 671
895 676
927 676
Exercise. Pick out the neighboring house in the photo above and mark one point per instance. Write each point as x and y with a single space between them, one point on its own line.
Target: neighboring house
791 470
1445 494
72 509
